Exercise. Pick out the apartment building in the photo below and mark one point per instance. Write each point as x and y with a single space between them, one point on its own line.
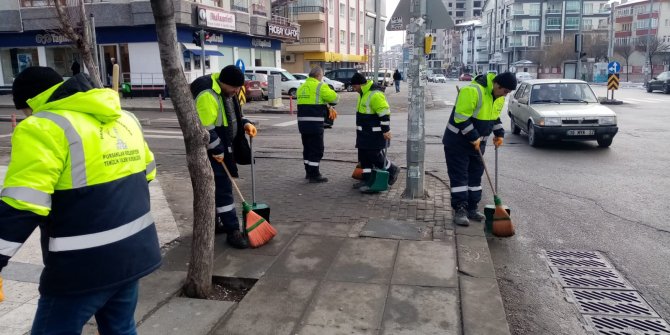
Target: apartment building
125 31
393 58
464 10
524 29
631 28
331 34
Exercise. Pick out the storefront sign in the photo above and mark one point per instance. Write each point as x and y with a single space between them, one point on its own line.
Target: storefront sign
215 38
215 18
48 38
283 31
261 43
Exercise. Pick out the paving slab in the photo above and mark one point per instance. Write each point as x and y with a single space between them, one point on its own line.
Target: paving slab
20 292
364 260
394 229
474 229
474 258
322 228
25 272
285 234
426 263
157 288
20 318
308 256
241 264
185 316
412 310
273 306
482 307
345 308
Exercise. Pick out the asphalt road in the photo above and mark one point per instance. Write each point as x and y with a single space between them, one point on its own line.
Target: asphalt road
563 196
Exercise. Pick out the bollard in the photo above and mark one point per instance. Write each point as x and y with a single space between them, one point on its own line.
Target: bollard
290 104
160 102
13 122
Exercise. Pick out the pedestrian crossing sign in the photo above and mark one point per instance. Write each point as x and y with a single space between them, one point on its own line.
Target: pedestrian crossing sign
613 82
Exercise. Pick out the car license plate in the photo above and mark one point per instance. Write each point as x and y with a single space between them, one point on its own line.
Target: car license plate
581 132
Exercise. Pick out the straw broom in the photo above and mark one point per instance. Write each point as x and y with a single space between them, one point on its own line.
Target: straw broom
258 230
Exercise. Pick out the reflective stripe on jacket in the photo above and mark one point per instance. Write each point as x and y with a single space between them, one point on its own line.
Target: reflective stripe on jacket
475 114
373 118
79 169
313 96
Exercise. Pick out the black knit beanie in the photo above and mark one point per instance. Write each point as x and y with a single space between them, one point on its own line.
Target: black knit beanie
31 82
358 79
232 75
506 80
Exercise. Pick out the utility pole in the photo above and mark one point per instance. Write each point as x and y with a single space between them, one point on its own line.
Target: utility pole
94 43
648 71
378 37
202 49
415 126
580 43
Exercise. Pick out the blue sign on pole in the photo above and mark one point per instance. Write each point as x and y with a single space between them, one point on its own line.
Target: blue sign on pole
613 67
240 63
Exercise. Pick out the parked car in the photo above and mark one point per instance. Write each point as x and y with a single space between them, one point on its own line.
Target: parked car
253 88
382 78
262 79
333 84
660 83
289 84
439 78
560 109
523 76
465 77
342 75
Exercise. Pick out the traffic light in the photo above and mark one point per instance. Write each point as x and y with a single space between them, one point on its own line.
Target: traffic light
196 38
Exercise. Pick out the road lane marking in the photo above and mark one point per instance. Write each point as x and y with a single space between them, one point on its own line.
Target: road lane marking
5 135
173 132
164 136
284 124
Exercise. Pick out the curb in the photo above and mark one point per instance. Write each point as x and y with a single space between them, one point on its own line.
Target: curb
611 102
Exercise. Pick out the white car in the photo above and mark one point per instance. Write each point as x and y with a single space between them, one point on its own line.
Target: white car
289 84
560 109
523 76
439 78
333 84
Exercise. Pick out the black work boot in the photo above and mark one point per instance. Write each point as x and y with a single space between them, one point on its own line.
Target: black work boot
475 215
236 240
461 217
317 179
394 171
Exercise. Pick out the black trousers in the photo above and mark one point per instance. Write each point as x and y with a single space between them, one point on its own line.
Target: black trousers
465 171
312 152
374 159
223 198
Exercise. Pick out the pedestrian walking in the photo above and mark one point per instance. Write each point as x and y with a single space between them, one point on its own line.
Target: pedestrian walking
76 68
79 169
397 77
473 118
217 102
313 99
373 131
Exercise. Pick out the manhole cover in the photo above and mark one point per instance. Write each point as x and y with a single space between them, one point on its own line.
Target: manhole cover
591 278
624 303
619 325
576 258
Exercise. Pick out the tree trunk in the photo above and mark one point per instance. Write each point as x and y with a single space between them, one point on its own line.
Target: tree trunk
199 277
81 41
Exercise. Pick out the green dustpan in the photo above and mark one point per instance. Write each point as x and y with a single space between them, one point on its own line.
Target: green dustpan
379 180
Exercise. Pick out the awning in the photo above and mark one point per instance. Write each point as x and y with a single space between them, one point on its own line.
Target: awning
196 50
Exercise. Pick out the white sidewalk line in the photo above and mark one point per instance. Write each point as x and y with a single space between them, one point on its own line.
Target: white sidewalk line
5 135
284 124
173 132
164 136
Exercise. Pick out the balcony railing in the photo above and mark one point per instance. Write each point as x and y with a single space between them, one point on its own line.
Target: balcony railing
553 11
308 9
558 27
312 40
571 26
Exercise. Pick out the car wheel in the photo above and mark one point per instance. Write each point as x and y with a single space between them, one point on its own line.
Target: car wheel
292 92
604 142
666 89
515 129
649 88
331 87
533 138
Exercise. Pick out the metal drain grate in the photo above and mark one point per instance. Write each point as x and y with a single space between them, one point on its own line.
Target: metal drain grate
576 258
617 325
591 278
623 303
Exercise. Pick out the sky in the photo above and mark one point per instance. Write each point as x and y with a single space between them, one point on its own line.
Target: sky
391 38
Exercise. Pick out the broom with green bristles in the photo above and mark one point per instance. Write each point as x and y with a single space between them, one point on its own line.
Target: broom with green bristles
502 223
258 230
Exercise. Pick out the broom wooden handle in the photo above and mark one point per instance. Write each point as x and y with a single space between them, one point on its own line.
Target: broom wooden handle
232 181
487 172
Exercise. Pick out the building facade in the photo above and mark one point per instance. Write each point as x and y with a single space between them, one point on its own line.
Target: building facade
464 10
126 34
331 34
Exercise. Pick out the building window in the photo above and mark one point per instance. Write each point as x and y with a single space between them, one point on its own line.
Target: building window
587 24
352 14
533 41
553 23
572 7
460 5
588 8
343 37
534 25
548 40
571 23
240 5
477 4
331 34
331 5
352 39
535 9
343 10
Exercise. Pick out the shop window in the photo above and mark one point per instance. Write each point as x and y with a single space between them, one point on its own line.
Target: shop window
196 62
187 61
207 63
